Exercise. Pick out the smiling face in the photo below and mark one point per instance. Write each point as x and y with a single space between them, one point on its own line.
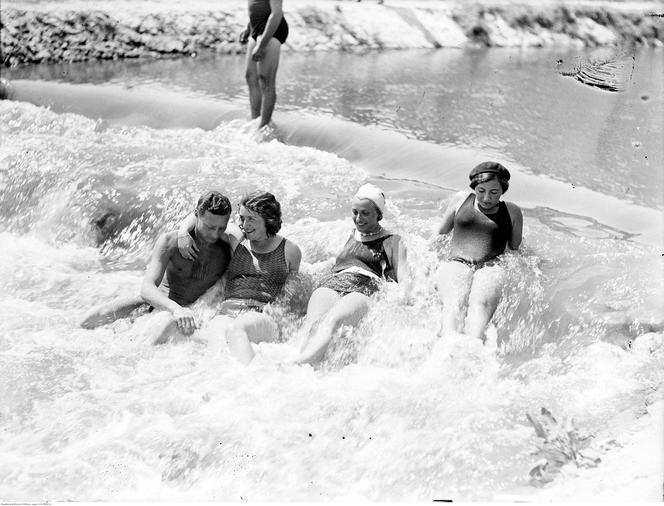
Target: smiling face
365 215
252 224
210 227
488 195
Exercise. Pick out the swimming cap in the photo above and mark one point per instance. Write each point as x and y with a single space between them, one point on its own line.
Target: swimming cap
491 167
374 194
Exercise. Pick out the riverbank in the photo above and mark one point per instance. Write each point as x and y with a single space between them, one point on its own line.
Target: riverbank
70 31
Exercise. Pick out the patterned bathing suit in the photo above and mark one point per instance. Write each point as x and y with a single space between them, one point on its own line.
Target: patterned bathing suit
256 278
360 268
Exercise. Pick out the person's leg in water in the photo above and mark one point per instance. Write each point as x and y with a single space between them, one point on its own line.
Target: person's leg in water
453 282
320 302
108 312
483 300
247 328
215 335
267 79
348 310
161 329
251 75
164 328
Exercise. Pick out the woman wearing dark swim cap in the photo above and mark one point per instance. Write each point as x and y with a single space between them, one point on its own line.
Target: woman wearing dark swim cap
482 226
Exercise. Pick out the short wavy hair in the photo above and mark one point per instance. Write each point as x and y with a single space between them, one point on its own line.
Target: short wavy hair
485 177
213 202
267 207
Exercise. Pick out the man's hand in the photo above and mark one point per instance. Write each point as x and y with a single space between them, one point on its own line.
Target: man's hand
187 247
185 320
243 38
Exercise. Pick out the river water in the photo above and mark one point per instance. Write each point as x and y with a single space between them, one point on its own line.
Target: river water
396 413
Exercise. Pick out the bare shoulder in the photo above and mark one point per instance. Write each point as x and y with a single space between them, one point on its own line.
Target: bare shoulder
291 248
293 255
167 243
169 239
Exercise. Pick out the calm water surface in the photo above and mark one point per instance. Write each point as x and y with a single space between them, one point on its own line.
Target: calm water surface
509 101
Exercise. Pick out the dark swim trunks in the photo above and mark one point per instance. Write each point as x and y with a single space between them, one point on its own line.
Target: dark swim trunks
259 12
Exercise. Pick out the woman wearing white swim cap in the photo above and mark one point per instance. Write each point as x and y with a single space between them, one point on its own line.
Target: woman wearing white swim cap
370 257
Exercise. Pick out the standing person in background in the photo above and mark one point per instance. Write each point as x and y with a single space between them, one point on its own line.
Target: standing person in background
266 32
483 226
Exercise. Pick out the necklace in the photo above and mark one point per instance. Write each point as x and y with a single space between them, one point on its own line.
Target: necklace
371 234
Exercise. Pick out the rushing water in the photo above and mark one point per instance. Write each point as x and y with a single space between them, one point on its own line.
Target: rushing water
396 413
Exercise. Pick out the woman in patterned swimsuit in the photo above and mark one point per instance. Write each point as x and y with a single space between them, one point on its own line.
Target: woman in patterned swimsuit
262 262
483 226
371 256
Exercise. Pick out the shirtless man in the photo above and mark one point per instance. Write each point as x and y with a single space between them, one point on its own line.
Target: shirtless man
263 269
266 32
185 280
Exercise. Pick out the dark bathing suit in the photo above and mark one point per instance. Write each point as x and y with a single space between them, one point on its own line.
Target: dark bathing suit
255 279
479 238
259 11
369 256
186 280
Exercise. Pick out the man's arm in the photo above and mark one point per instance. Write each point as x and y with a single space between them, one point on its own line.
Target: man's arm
161 256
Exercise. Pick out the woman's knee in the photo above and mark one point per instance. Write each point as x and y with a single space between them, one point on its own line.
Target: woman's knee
256 327
349 309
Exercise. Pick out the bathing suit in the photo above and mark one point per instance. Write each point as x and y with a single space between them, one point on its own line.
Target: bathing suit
235 307
186 280
259 12
360 267
256 277
478 238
